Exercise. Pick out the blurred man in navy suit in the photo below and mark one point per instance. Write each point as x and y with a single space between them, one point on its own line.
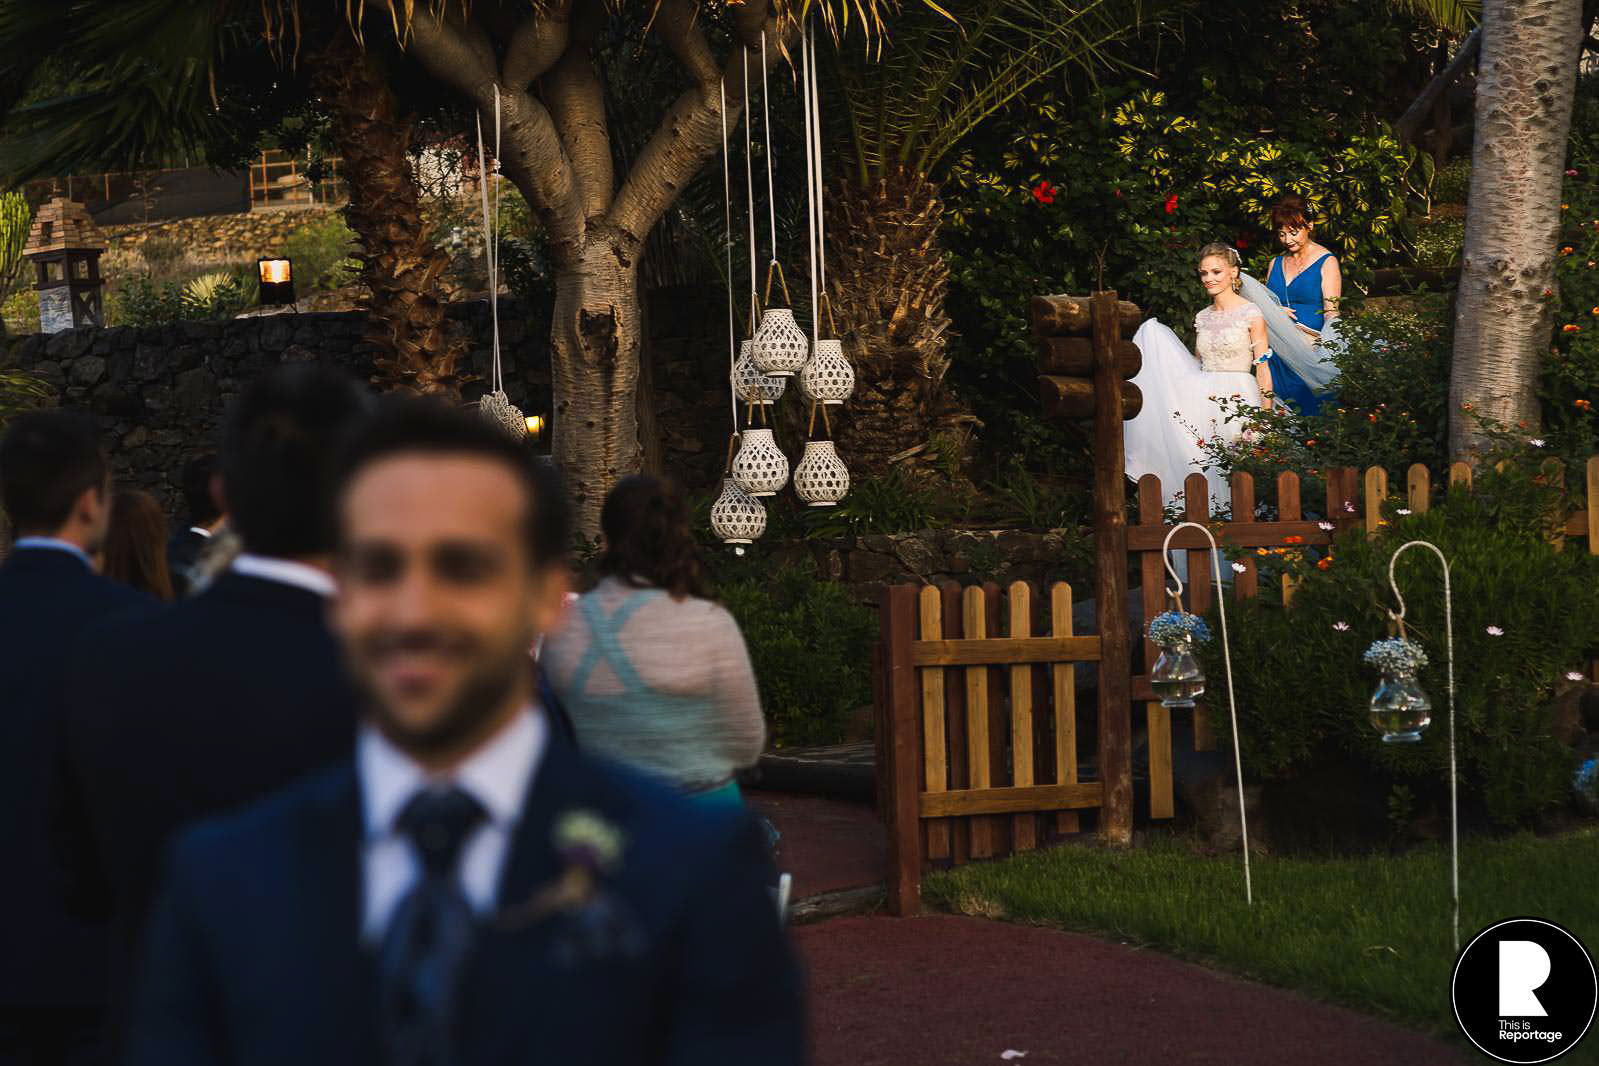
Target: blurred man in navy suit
468 888
219 699
56 489
200 490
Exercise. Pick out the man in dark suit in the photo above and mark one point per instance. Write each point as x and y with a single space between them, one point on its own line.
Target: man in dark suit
468 888
200 489
224 697
55 487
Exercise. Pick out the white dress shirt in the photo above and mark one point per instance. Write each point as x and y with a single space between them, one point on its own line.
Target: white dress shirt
285 572
53 544
498 776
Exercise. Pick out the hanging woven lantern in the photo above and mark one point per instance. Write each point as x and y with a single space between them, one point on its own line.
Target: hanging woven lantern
736 516
760 467
780 346
498 408
751 385
828 378
821 479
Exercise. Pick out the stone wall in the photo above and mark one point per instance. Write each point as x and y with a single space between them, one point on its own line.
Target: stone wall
241 234
160 391
868 563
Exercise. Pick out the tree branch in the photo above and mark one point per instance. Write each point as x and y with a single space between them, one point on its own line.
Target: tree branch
690 132
1409 123
576 100
531 152
675 25
537 44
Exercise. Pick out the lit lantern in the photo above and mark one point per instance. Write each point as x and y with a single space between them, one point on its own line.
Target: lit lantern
535 427
752 386
497 408
1400 710
828 378
821 479
737 518
277 281
780 346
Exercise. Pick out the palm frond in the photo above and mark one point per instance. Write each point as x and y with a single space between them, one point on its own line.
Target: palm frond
1456 16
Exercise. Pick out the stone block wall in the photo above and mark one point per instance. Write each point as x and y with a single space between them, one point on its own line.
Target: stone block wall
160 391
242 233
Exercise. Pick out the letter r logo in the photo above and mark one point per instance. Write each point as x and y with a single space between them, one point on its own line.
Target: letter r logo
1523 968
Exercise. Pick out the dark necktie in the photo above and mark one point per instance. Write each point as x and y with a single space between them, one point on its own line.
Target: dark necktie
428 937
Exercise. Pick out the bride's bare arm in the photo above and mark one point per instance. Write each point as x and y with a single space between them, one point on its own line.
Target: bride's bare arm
1332 286
1257 341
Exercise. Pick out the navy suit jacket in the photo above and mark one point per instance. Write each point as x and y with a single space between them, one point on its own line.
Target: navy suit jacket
212 703
47 597
254 955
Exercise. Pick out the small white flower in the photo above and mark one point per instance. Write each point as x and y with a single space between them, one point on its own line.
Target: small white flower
1325 527
1495 631
1402 510
1536 442
1239 568
1009 1055
1574 675
1349 506
1342 627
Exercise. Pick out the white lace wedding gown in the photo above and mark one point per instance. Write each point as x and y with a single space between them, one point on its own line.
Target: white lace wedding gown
1182 398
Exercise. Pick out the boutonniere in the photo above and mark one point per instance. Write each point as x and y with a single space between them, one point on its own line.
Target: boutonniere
592 922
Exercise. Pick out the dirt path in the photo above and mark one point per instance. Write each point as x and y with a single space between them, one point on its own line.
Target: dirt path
951 991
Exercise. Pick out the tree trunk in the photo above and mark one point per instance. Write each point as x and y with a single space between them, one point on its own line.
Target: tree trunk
594 352
401 266
1526 79
888 280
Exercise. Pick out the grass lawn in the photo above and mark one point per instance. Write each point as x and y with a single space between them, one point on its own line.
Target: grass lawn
1371 933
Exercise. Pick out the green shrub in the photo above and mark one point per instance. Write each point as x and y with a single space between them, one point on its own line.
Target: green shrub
141 301
21 311
219 294
1021 499
887 503
1451 183
16 218
1302 690
811 648
324 254
1569 384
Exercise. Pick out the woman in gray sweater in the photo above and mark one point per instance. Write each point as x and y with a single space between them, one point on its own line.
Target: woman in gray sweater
654 673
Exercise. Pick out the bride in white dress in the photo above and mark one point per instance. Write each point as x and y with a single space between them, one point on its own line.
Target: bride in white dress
1187 399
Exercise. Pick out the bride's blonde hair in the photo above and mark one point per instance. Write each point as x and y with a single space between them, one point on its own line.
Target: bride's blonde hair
1227 254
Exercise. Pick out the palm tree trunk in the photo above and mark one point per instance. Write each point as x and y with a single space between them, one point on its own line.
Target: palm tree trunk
401 266
1526 79
888 281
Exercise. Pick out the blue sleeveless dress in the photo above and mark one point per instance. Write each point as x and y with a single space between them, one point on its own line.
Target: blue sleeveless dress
1304 297
637 699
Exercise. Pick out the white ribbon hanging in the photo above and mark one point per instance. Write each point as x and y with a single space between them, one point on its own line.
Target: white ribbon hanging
495 404
812 248
727 211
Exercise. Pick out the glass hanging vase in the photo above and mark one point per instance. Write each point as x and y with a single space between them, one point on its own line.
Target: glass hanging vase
1176 677
1400 709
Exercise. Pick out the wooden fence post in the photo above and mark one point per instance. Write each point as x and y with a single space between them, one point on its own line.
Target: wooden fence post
1110 563
899 751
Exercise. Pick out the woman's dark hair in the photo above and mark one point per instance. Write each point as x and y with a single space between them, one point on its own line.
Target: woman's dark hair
648 538
136 544
1290 212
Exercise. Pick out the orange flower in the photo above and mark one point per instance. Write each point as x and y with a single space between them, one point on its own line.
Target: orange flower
1567 250
1261 551
1311 443
1468 407
1571 327
1294 539
1324 564
1371 418
1584 404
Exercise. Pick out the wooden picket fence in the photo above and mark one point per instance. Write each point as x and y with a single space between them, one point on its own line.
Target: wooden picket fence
980 702
1353 499
980 738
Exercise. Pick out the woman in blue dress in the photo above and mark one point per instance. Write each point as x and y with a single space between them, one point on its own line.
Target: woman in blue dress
1306 280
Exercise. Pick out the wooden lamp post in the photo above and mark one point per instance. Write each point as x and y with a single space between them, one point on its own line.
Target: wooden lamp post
64 246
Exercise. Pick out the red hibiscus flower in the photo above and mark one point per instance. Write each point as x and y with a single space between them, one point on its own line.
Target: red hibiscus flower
1242 242
1171 204
1044 192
